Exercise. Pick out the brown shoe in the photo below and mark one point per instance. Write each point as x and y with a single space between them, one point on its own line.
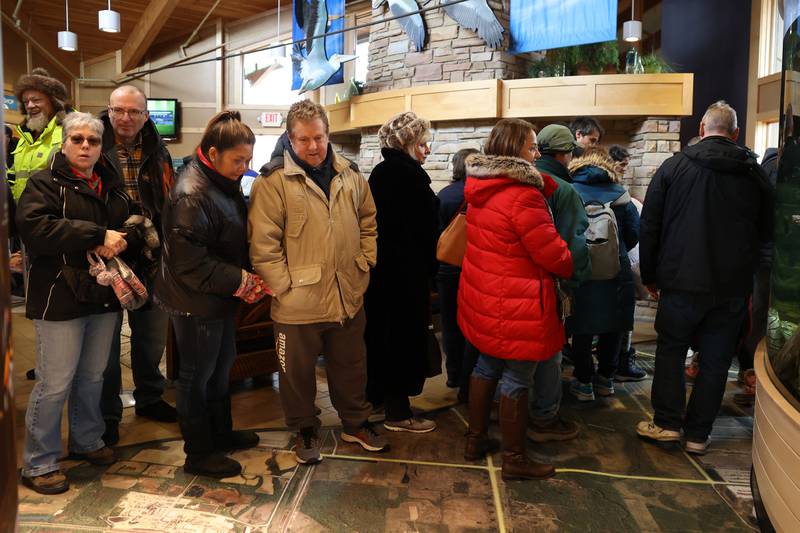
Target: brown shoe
102 457
556 429
481 396
51 483
513 423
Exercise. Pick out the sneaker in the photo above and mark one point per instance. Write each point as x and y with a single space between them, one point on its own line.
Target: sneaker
650 430
411 425
160 411
697 448
603 386
557 429
628 371
307 446
582 391
378 414
51 483
367 438
103 457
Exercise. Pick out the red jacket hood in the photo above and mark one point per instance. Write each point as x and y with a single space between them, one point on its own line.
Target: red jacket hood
491 174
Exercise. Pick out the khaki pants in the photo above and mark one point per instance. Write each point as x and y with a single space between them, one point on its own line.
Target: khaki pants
298 346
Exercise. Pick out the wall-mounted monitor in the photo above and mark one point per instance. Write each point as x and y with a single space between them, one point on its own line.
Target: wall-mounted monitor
165 114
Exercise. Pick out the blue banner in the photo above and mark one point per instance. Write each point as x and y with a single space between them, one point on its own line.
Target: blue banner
311 13
545 24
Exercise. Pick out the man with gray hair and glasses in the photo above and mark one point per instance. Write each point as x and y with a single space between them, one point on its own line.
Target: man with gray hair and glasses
140 158
707 212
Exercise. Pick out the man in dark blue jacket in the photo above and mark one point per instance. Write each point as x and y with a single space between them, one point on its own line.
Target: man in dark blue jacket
706 215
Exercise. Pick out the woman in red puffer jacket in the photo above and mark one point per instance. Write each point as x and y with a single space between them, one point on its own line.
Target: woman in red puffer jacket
507 300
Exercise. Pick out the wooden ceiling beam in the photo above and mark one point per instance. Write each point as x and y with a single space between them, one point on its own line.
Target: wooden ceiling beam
146 30
46 43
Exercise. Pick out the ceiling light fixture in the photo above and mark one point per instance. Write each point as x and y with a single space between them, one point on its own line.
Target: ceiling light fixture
108 20
632 29
67 40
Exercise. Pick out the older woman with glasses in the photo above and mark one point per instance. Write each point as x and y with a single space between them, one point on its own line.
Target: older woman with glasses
397 301
73 207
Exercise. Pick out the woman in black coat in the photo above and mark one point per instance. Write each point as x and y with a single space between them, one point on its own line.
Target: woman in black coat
397 301
203 275
67 210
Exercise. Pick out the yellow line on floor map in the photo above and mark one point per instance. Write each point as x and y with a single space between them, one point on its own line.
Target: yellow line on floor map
491 469
498 504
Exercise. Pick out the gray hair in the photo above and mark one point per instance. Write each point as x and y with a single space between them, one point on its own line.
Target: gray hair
76 120
720 117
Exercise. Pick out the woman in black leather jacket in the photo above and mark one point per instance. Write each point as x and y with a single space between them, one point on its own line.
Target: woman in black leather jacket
204 273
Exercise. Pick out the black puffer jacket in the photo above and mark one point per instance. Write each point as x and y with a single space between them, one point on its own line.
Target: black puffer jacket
707 213
59 218
205 244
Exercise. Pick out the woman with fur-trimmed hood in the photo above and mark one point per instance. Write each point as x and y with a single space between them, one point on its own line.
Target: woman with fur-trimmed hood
507 298
602 307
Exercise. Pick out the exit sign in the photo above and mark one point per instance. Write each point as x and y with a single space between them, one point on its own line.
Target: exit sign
270 120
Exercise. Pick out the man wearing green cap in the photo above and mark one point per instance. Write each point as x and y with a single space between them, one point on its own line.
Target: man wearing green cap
556 144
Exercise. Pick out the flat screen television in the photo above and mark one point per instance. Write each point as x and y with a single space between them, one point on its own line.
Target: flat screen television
165 114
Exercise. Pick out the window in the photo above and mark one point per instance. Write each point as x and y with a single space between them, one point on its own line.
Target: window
262 151
268 78
362 61
771 37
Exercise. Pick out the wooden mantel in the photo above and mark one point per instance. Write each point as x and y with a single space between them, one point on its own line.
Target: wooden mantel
614 95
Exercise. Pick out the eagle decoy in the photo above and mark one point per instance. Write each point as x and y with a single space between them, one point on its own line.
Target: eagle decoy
476 15
412 24
315 66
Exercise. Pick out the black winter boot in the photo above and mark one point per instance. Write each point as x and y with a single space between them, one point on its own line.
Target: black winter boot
226 439
201 458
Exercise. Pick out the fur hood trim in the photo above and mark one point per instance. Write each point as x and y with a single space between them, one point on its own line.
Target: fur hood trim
497 166
595 160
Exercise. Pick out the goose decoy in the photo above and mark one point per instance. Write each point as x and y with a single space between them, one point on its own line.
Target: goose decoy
476 15
315 66
412 24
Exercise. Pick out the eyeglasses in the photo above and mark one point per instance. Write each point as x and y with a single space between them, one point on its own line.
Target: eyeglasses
133 113
79 139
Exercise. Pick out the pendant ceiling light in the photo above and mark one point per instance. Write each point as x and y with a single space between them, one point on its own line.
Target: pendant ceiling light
632 29
108 20
67 40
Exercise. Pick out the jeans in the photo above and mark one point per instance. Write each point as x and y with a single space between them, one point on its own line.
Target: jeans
207 349
607 355
715 322
454 343
70 358
544 394
148 339
515 376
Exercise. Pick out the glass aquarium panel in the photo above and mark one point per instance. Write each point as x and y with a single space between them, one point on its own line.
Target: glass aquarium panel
783 341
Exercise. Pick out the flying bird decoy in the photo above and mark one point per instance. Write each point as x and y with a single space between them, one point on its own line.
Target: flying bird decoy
315 66
412 24
476 15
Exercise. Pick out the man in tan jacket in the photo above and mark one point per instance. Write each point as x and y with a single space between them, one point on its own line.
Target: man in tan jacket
313 235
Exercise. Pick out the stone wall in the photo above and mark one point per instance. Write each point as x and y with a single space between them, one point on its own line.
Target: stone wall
650 141
451 54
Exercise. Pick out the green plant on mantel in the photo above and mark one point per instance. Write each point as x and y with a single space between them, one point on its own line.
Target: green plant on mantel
582 59
655 64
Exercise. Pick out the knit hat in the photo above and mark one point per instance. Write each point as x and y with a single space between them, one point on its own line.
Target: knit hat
556 138
41 80
402 130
